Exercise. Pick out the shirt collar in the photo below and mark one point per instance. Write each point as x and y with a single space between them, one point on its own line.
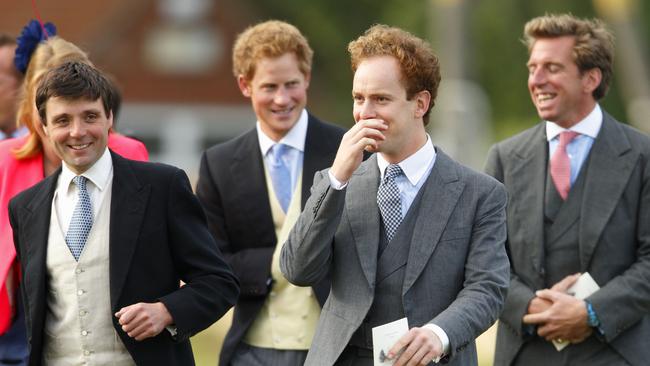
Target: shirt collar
294 138
589 126
415 165
99 173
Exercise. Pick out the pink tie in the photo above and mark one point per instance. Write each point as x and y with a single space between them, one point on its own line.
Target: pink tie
561 166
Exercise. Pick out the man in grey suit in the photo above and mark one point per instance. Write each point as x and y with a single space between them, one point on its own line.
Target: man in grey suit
407 233
579 201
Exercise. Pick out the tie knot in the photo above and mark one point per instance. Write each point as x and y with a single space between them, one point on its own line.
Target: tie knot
567 136
80 182
392 171
278 151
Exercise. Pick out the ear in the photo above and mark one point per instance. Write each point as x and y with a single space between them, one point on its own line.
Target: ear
591 79
244 86
422 102
110 120
307 80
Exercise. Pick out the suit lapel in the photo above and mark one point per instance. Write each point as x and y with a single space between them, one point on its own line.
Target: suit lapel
442 191
128 205
528 179
247 170
315 158
611 162
35 217
363 215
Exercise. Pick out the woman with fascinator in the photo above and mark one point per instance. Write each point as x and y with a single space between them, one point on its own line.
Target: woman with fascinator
27 160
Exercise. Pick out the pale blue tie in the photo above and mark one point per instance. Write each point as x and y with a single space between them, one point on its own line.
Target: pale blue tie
389 201
281 174
82 219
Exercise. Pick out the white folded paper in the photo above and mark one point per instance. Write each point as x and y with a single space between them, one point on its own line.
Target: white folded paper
384 338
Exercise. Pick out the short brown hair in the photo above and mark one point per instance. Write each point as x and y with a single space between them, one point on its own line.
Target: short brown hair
593 48
74 81
271 39
419 65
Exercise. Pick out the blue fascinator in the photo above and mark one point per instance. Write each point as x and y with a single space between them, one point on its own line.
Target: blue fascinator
31 35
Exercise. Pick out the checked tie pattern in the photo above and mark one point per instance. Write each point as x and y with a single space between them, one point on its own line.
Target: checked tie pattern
82 219
389 201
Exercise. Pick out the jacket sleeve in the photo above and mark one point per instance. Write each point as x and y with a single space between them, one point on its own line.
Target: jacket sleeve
307 254
210 286
519 294
251 265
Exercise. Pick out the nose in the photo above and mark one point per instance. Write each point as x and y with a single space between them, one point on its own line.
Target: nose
281 96
536 77
365 110
77 128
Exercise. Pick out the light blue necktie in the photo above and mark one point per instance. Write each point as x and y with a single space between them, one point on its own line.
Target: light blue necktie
281 174
389 201
82 219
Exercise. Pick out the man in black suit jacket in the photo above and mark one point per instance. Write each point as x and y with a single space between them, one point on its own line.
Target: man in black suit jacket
272 64
138 221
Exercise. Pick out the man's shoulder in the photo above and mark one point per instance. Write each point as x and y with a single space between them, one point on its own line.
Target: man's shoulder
521 140
452 168
638 139
144 170
225 150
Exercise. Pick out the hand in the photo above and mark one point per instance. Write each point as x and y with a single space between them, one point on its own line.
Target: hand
537 305
419 345
364 135
144 320
566 283
565 319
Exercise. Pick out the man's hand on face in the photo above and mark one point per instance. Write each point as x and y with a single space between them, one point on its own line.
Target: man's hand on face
418 347
364 135
144 320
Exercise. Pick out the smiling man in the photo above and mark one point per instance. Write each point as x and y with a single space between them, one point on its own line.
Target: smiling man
407 233
579 201
253 188
104 243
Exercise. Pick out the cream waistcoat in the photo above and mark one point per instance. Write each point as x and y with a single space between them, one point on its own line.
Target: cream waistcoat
78 323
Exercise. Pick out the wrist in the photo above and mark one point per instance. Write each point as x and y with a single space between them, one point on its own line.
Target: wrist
592 318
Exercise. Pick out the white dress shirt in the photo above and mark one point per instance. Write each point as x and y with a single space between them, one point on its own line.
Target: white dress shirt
66 195
294 138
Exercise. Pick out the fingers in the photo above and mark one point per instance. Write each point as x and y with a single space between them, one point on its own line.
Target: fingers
367 133
422 346
400 344
550 295
537 318
537 305
364 135
566 283
143 320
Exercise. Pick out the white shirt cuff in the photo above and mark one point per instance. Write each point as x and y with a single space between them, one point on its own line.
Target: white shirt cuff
334 183
444 339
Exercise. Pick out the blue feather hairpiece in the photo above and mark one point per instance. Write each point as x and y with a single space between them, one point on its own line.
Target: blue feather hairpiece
32 34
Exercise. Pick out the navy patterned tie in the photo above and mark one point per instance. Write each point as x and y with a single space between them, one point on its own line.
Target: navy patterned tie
389 201
82 219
